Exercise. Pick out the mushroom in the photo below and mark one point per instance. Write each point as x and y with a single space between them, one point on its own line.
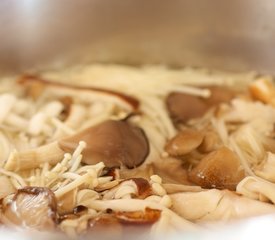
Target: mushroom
183 107
144 171
67 102
148 216
219 169
37 85
135 187
33 207
139 217
214 205
77 212
106 225
263 90
113 142
171 171
114 225
184 142
6 187
210 142
66 202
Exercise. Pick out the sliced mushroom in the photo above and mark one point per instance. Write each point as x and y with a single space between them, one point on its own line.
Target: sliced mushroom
32 207
184 142
219 169
113 142
183 107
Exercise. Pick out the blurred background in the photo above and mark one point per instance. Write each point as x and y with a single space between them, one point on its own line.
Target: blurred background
235 35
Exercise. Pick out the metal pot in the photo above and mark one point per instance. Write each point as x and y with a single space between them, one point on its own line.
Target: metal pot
236 35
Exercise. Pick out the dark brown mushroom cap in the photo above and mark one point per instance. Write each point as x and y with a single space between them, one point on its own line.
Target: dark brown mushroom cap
219 169
32 207
113 142
183 107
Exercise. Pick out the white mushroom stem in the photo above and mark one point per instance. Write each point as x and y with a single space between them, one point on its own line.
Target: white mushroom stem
50 153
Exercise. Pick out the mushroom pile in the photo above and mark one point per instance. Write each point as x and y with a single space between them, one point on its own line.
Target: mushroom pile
158 154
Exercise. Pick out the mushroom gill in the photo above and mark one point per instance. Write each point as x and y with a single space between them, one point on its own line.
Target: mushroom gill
219 169
32 207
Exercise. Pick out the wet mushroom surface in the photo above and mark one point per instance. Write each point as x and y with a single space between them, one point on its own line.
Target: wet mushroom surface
114 150
32 207
219 169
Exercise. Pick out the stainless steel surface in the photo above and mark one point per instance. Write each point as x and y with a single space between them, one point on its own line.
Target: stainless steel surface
236 35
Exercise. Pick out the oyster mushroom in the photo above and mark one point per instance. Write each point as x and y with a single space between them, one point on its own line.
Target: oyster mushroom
219 169
32 207
113 142
183 107
184 142
37 85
